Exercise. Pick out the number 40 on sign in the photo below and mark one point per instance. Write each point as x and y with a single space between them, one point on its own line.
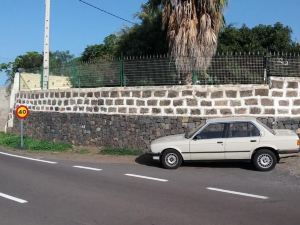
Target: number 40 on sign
22 112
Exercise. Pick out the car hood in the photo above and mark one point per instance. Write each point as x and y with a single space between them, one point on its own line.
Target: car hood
171 138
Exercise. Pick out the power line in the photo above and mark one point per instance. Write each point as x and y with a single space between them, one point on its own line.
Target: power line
104 11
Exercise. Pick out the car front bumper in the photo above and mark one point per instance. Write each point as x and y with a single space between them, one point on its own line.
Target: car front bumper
155 156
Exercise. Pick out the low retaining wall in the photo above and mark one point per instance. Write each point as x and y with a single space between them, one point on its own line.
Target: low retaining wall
4 108
133 116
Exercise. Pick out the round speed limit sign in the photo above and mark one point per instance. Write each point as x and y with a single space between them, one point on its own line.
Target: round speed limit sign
22 112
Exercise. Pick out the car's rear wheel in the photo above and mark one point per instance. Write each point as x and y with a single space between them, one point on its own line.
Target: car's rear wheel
264 160
171 159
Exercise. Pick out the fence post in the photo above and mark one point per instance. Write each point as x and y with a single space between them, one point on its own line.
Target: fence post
265 68
194 77
122 80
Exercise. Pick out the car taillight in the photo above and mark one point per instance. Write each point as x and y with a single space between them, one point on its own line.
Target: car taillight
298 142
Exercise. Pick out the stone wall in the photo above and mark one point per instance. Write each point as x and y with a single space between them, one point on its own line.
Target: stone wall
133 116
4 108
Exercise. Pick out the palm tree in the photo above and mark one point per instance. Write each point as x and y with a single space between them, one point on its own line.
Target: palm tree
192 30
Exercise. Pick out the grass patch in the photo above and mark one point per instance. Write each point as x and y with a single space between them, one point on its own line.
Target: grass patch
120 151
13 141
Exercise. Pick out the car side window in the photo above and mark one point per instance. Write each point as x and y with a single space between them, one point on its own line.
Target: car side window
239 129
212 131
253 130
242 129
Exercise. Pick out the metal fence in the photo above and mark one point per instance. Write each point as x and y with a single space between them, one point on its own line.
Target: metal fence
162 70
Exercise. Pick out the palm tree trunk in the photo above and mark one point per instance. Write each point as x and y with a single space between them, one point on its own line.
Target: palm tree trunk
187 78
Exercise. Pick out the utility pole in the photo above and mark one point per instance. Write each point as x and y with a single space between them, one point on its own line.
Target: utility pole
46 46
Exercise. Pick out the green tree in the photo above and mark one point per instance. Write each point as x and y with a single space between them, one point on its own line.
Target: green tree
261 38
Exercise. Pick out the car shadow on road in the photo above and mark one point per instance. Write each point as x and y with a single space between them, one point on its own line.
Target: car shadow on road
147 160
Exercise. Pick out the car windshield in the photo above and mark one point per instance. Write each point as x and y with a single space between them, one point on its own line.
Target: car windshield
266 127
193 131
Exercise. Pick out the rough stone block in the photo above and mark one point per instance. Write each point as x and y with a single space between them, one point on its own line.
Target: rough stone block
169 111
192 102
125 93
122 110
82 94
164 102
156 110
100 101
90 94
66 102
177 103
87 102
181 111
261 92
251 101
231 94
147 94
119 102
269 111
195 112
226 112
293 85
206 103
276 84
255 110
94 102
201 94
133 110
247 93
296 111
240 111
235 103
277 93
129 102
75 94
221 103
267 102
68 94
72 102
217 94
152 102
209 112
284 103
187 93
114 94
140 103
97 94
173 94
105 94
112 109
108 102
160 93
291 94
136 94
144 110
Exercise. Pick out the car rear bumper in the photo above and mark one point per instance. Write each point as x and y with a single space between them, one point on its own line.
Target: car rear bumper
288 151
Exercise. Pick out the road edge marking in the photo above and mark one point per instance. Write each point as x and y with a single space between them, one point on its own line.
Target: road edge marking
12 198
145 177
28 158
87 168
237 193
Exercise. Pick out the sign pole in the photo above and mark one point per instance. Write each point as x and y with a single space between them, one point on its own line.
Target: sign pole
22 134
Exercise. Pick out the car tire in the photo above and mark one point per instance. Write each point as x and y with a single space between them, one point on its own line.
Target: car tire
264 160
171 159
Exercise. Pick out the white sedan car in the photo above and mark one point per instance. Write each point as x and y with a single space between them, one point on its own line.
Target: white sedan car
227 139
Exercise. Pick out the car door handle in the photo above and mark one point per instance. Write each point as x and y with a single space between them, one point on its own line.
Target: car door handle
253 141
220 142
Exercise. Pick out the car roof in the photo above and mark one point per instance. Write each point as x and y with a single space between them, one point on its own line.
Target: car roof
231 119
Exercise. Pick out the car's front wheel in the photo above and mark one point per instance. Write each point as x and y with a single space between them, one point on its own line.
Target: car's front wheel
264 160
171 159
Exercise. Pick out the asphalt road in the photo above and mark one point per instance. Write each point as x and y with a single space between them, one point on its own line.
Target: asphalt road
57 193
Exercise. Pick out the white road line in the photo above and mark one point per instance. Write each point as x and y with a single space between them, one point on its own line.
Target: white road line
144 177
13 198
23 157
87 168
237 193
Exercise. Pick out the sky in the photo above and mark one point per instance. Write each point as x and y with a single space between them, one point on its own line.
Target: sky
74 25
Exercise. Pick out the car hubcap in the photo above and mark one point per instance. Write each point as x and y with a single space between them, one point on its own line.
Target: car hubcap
265 161
171 159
